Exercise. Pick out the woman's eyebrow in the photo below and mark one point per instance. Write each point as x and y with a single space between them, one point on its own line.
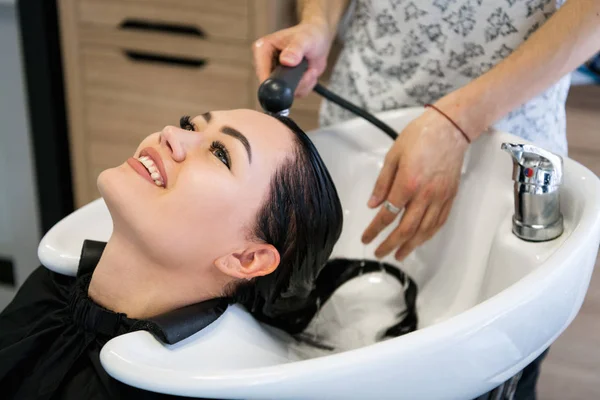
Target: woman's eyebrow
233 133
239 136
207 116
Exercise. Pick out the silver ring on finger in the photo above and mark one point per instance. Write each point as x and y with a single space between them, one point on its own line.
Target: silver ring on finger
391 208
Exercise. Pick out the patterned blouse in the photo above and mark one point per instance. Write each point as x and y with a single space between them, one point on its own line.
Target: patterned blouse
406 53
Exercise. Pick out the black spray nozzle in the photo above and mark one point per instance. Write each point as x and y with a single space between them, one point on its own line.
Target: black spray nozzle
276 93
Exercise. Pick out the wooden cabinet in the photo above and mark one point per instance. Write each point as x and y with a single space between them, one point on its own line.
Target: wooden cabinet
134 66
216 20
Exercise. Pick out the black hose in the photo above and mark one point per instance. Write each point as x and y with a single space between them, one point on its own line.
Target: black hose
329 95
276 93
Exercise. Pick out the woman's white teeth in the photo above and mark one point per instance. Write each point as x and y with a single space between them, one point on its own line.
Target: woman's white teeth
151 167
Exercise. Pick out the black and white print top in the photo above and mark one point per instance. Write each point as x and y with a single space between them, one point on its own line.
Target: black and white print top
406 53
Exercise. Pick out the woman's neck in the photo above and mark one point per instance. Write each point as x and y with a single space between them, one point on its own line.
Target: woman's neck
128 281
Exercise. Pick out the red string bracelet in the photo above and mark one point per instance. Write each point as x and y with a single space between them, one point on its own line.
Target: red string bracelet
451 121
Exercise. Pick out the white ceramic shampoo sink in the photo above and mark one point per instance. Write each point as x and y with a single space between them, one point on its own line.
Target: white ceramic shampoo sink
489 303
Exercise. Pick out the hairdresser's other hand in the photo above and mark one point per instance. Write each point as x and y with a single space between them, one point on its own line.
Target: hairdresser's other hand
420 174
308 39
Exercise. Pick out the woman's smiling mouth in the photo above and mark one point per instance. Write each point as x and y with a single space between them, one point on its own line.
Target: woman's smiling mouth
150 166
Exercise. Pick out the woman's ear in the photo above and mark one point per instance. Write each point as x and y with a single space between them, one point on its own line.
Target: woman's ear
258 259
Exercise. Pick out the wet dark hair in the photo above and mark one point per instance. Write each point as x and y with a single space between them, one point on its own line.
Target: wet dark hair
302 218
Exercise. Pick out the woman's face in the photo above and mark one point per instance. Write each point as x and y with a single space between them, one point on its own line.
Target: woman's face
208 182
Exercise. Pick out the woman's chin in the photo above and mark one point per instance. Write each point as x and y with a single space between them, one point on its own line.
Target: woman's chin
107 182
122 192
119 185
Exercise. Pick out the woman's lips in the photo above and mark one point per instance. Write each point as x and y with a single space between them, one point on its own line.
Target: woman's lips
149 165
140 169
153 154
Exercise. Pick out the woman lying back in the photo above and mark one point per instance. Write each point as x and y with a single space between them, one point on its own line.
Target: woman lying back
232 205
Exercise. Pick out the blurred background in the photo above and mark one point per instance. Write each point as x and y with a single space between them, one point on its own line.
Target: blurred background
83 81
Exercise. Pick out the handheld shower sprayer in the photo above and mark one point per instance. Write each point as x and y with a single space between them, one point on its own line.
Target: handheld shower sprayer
276 95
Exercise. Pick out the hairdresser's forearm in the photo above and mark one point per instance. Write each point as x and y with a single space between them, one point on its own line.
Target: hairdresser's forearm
566 40
322 11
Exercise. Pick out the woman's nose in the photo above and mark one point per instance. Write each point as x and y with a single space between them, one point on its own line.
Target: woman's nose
178 141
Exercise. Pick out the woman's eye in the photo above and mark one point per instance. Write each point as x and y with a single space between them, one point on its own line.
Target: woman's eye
186 123
219 150
221 156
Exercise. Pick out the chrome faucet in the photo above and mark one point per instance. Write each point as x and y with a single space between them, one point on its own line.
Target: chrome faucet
538 175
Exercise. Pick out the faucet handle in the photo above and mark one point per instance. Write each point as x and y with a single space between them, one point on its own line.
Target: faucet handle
535 166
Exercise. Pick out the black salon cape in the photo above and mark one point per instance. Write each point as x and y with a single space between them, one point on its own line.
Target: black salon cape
51 335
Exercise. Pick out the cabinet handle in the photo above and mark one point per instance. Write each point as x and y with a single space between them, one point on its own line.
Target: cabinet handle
187 62
163 27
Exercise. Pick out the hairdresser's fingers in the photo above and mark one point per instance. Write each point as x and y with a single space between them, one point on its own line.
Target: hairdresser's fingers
439 216
295 49
384 180
310 42
262 51
293 43
400 194
427 228
307 83
299 45
445 212
429 225
407 227
408 248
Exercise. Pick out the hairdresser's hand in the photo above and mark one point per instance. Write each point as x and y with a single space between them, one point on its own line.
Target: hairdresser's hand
420 174
308 39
